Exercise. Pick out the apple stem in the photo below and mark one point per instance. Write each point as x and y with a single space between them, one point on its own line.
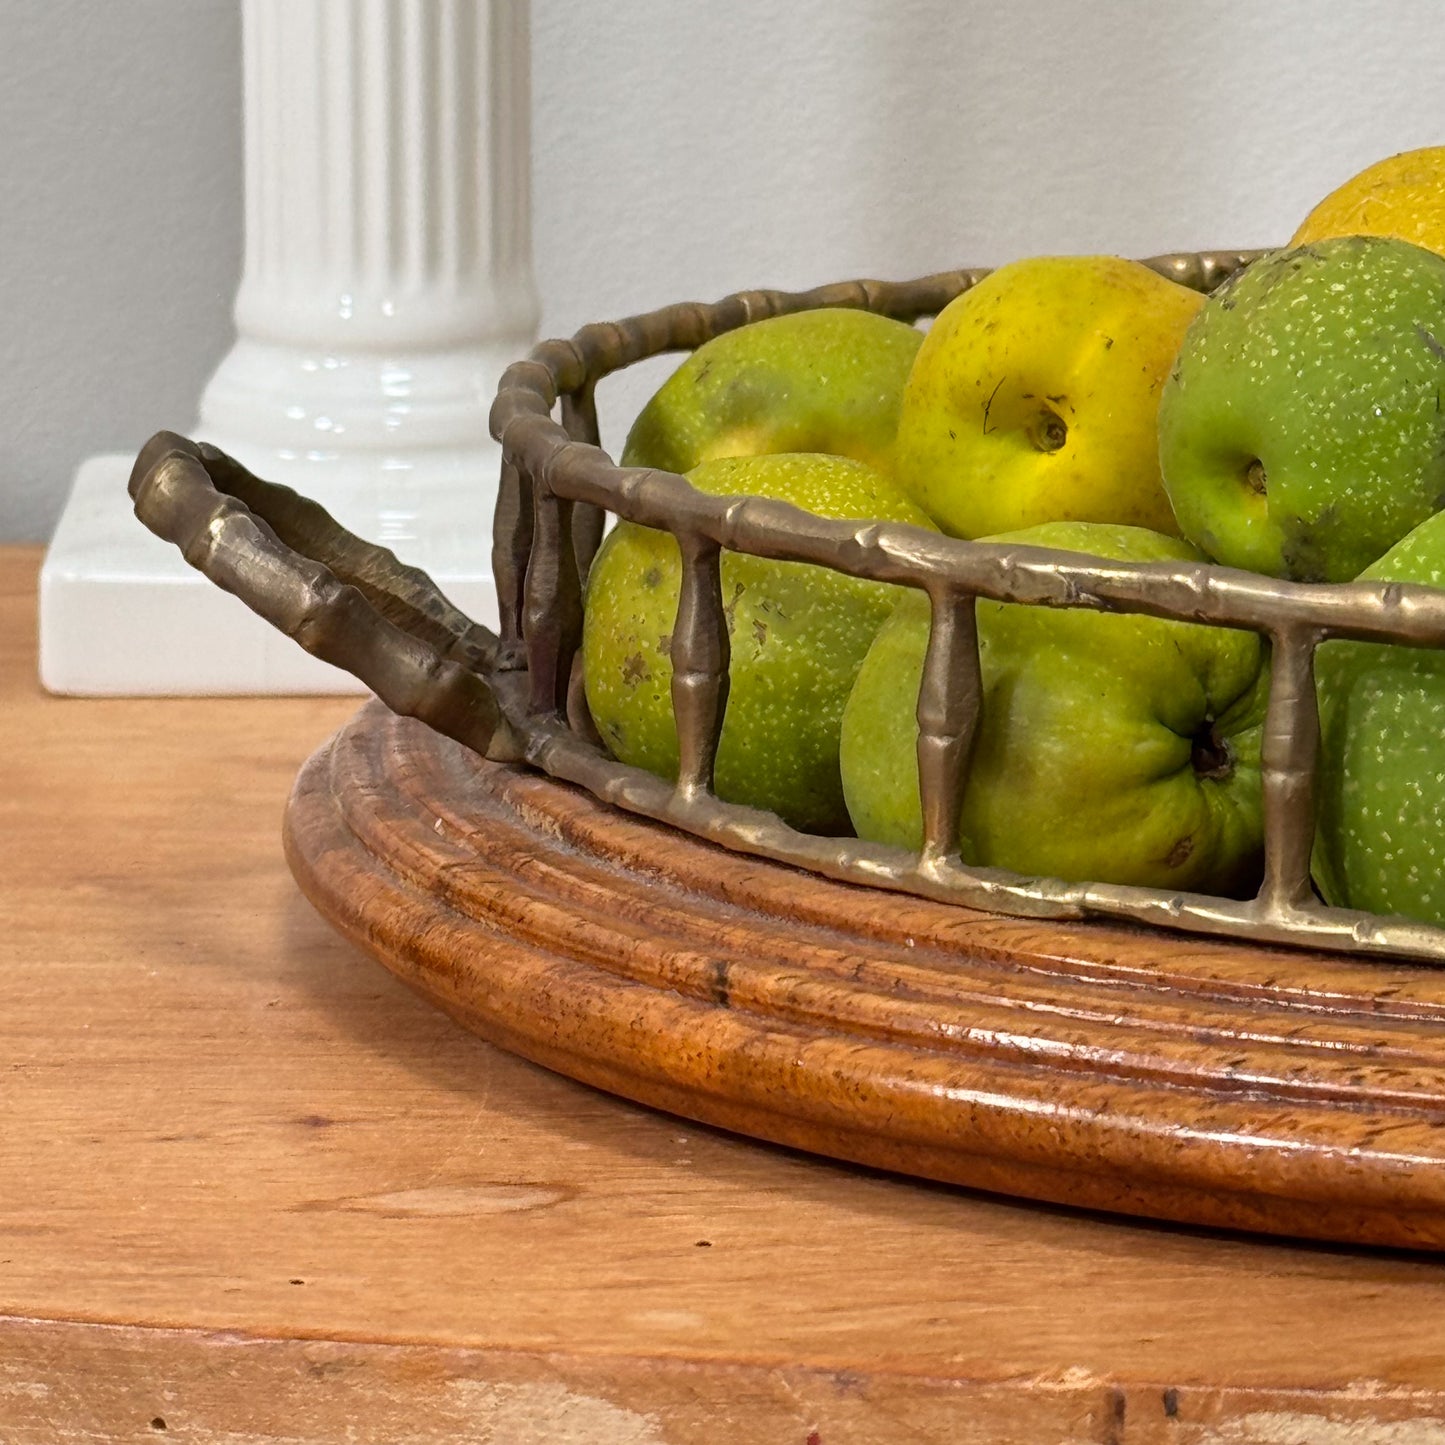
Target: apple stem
1210 755
1051 432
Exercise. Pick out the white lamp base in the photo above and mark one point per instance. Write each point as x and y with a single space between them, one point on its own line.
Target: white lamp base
122 614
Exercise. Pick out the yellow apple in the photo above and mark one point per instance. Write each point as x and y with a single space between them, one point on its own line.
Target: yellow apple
827 381
1035 398
1402 196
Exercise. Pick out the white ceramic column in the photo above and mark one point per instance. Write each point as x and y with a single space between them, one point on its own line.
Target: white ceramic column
388 260
387 283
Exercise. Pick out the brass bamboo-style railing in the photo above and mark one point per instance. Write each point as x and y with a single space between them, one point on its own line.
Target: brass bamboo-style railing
516 696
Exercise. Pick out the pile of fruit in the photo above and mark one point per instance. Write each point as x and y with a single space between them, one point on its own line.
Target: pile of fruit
1292 423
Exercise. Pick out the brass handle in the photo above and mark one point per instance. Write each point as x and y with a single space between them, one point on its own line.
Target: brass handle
346 601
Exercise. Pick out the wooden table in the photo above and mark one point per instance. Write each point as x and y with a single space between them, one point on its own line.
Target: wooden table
251 1189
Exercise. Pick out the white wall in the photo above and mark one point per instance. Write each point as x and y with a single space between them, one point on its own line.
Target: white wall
120 217
681 150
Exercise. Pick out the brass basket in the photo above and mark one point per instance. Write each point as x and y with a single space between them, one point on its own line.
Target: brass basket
517 696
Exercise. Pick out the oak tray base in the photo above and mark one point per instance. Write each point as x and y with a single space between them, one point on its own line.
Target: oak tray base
1103 1066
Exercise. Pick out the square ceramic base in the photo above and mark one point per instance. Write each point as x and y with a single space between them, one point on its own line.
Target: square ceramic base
122 614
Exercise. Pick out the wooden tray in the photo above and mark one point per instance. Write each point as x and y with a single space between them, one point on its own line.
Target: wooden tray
1106 1066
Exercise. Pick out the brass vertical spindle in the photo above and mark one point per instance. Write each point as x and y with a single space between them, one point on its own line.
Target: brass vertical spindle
511 544
700 654
1288 757
579 419
949 700
552 616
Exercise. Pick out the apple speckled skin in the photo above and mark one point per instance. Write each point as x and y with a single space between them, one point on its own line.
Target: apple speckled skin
829 380
1380 828
798 633
1302 431
1111 747
1035 398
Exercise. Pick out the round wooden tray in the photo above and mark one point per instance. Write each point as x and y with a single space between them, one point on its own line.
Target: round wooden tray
1098 1065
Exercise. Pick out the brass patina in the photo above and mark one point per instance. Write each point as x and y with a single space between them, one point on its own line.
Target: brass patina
516 697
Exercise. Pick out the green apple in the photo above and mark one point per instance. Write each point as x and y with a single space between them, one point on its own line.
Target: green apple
828 380
1035 398
1380 792
1300 433
1111 747
798 635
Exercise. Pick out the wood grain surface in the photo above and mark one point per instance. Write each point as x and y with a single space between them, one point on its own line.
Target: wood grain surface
254 1189
1112 1066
